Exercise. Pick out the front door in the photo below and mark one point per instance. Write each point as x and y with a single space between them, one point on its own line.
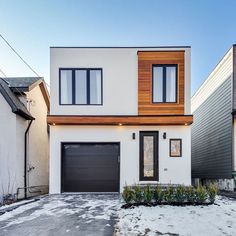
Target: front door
148 155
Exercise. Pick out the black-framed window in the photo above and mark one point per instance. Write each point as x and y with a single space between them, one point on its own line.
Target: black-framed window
164 83
148 155
80 86
175 147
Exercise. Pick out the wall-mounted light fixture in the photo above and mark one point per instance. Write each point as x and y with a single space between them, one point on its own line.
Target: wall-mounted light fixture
164 135
133 135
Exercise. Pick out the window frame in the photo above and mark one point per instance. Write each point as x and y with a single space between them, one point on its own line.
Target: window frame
180 141
73 89
164 82
155 135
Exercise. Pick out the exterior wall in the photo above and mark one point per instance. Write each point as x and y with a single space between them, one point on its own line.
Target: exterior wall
12 128
171 170
212 130
234 145
146 60
120 78
38 141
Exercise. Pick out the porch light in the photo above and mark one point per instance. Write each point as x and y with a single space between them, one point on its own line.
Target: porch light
53 124
120 124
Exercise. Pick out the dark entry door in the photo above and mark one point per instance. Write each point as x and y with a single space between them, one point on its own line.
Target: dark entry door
90 167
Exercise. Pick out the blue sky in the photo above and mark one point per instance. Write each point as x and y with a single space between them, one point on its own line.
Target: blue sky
208 26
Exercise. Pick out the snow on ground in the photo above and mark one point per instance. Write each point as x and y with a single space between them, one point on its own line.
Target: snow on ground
217 219
82 212
87 207
15 204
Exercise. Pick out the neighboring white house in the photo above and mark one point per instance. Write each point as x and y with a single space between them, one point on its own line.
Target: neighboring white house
213 131
119 115
24 142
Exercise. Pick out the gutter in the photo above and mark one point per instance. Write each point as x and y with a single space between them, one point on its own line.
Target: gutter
25 160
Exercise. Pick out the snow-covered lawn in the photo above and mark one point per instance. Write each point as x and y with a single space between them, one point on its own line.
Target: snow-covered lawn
213 220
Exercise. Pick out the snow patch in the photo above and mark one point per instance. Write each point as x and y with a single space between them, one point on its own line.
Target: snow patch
217 219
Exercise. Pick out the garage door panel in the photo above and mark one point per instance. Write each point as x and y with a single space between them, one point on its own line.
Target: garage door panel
90 167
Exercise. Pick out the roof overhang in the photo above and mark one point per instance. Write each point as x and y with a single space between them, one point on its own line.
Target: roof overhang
120 120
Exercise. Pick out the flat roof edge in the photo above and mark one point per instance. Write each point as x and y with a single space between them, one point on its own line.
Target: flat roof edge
125 47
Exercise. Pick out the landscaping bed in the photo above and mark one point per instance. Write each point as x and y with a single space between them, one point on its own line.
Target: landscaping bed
176 195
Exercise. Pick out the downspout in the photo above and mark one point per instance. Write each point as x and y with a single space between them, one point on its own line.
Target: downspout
25 160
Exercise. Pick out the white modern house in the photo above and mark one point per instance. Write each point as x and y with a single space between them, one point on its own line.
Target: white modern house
24 144
119 115
214 127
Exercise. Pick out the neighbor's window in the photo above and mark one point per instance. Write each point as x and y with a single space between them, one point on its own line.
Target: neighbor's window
164 83
81 86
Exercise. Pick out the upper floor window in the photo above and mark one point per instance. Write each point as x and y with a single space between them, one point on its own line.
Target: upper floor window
81 86
164 83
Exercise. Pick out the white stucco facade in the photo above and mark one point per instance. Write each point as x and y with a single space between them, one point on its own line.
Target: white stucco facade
171 169
12 130
120 97
120 78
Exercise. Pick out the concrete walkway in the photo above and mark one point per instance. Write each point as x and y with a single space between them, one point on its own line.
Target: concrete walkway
63 215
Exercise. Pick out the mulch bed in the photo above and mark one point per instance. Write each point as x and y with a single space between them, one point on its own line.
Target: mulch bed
182 204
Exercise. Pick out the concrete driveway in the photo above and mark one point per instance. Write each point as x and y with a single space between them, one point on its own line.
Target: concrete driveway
63 215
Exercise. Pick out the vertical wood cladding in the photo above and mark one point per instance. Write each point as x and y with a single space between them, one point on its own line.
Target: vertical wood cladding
145 61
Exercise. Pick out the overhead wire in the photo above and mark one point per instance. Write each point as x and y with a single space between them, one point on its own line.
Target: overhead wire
24 61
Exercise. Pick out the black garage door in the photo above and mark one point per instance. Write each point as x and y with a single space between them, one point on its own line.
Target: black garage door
90 167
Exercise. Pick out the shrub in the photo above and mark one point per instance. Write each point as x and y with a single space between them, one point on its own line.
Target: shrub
190 194
127 194
201 194
212 192
147 194
137 194
169 194
158 194
180 194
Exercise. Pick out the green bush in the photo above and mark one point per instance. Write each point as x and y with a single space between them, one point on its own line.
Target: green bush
147 194
190 194
127 194
169 194
158 194
212 192
137 194
180 194
201 194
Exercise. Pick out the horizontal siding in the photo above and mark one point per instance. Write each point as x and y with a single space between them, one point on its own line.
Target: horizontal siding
212 134
234 75
221 72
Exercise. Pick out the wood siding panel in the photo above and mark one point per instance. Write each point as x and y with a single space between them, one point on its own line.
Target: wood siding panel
116 120
145 62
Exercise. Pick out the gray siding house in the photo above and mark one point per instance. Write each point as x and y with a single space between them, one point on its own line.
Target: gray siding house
213 140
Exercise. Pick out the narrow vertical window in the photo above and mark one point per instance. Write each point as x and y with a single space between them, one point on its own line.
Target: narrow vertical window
95 86
81 87
170 84
157 84
164 83
66 87
148 155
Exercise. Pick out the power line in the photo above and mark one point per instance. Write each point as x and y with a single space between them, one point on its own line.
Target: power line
9 45
22 60
3 73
